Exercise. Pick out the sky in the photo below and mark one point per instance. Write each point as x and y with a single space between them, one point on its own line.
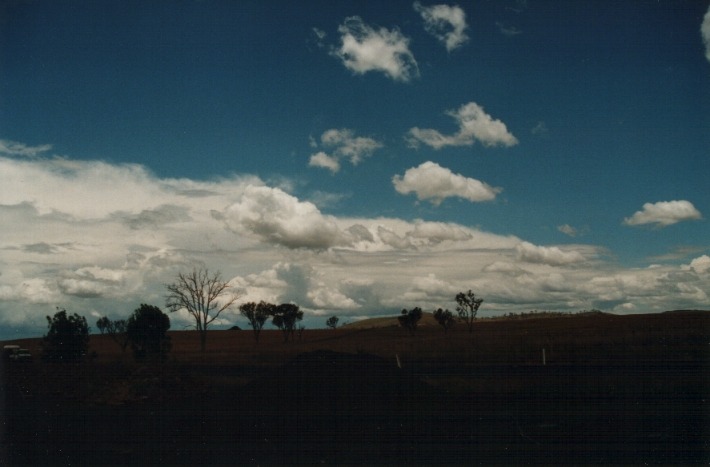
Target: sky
353 157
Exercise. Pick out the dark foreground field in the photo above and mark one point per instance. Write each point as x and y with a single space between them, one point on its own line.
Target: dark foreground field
615 390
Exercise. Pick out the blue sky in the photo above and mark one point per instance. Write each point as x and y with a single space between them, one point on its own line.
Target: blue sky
354 157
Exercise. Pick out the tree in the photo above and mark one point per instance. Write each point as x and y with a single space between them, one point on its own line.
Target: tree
445 318
257 314
467 307
147 331
285 317
114 329
332 322
410 319
67 338
202 295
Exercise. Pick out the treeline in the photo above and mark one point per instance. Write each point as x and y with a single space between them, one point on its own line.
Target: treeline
549 314
145 331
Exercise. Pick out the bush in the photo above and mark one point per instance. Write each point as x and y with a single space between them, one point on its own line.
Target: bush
147 331
67 338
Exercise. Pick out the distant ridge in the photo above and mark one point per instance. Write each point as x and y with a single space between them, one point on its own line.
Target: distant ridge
388 322
687 311
428 318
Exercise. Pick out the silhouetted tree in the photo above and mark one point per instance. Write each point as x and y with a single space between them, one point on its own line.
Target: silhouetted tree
257 314
445 318
285 317
203 295
409 319
467 307
147 331
332 322
67 338
114 329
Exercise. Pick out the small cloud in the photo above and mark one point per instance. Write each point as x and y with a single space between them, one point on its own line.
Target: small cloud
705 33
13 148
318 37
568 230
552 256
364 48
664 213
320 34
323 160
508 30
474 125
343 145
539 129
434 183
700 265
446 23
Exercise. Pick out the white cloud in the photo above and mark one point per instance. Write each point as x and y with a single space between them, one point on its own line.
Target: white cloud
664 213
13 148
446 23
343 144
323 160
60 249
324 297
474 125
434 183
705 33
700 265
568 230
553 256
276 217
364 48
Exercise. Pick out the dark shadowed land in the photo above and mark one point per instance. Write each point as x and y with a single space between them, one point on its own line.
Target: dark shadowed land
614 389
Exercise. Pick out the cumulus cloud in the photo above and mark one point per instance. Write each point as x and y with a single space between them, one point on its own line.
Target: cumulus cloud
364 48
431 182
446 23
701 264
95 237
664 213
278 218
324 161
553 256
705 33
342 144
474 125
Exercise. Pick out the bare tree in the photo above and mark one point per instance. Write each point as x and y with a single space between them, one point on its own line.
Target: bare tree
205 296
467 307
114 329
257 314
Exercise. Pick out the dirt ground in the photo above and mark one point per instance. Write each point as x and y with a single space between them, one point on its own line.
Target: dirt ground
613 390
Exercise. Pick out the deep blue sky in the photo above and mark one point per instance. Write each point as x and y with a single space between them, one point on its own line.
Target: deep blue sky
608 105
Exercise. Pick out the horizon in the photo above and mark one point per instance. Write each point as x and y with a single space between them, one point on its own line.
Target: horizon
354 158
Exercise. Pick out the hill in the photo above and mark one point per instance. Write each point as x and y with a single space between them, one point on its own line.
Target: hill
387 322
377 395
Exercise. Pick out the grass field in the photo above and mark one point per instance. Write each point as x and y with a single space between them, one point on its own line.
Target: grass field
613 389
